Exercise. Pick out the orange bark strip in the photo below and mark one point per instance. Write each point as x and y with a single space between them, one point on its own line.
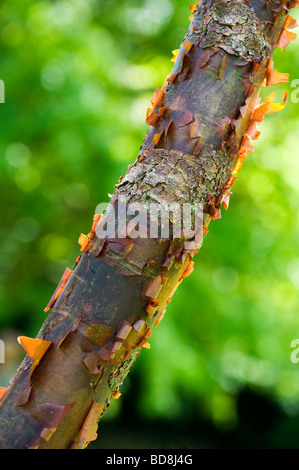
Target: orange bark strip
98 334
157 98
35 348
149 333
188 271
238 167
157 138
259 113
90 426
83 241
290 23
276 78
2 392
185 119
152 118
194 129
96 219
174 55
130 293
273 77
270 98
144 344
149 112
188 45
276 107
285 38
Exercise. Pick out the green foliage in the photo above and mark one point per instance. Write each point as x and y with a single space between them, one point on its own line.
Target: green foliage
78 78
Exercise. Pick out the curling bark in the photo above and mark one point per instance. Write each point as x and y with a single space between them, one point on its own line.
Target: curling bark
202 124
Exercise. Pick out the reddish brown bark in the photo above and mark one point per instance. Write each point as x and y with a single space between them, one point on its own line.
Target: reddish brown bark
103 312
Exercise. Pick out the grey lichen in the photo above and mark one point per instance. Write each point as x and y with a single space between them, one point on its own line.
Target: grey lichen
164 177
232 26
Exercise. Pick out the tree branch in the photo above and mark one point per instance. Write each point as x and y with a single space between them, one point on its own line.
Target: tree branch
203 121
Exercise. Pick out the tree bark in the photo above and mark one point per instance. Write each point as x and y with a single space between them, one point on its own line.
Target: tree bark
202 123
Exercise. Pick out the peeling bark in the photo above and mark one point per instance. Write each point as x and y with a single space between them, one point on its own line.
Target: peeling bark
203 122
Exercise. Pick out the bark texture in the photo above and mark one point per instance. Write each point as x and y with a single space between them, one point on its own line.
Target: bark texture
202 123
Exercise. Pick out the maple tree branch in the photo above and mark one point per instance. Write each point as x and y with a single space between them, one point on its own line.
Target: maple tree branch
202 124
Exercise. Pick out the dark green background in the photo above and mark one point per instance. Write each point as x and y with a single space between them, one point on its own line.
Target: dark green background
78 78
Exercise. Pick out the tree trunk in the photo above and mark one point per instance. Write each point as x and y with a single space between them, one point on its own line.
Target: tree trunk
202 122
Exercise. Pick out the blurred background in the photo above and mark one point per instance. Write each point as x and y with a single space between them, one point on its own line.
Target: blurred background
79 76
